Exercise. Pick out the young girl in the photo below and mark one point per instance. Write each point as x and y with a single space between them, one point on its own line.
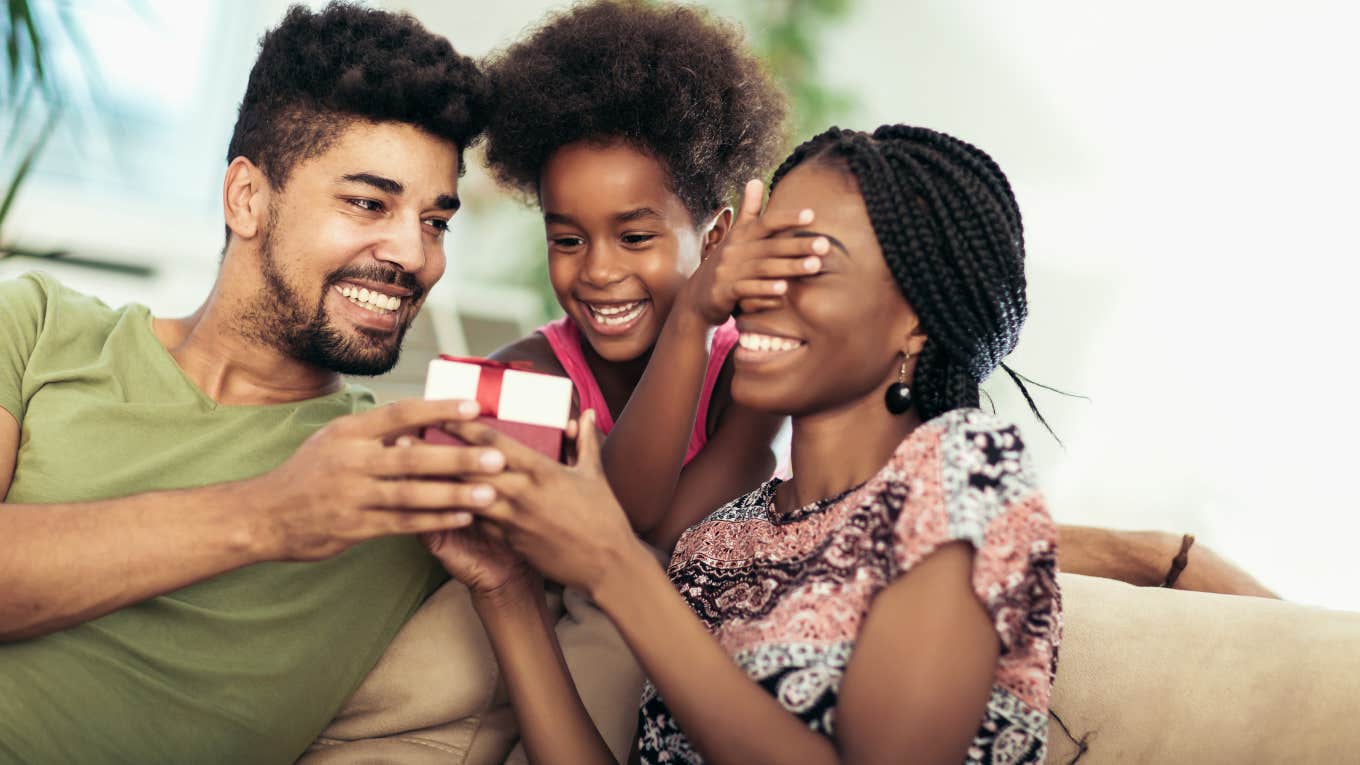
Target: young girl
896 598
630 124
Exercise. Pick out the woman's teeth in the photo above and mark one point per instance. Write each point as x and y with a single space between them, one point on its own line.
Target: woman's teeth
371 299
617 314
754 342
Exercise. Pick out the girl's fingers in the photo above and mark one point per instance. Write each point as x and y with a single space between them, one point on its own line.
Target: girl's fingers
755 305
751 197
777 268
759 288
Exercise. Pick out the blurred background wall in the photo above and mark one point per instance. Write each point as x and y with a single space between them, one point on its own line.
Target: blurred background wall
1187 173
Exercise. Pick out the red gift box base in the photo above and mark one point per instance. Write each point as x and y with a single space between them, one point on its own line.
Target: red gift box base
540 438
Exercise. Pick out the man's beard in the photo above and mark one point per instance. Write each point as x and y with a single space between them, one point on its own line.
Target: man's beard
278 317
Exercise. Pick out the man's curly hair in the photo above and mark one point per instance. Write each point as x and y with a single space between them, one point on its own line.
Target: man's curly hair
317 72
669 80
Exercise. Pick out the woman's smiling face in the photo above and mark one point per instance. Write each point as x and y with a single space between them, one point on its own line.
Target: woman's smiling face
620 244
837 336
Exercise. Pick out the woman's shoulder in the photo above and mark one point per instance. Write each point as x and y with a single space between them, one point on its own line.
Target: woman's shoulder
969 466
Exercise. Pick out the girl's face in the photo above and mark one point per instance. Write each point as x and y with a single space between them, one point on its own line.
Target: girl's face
620 244
849 324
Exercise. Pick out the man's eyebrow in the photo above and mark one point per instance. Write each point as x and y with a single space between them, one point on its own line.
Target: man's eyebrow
640 212
813 234
447 202
386 185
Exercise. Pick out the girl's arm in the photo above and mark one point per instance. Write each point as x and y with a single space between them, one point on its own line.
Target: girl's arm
644 454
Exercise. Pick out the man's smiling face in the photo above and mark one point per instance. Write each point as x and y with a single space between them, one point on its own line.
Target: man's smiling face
352 244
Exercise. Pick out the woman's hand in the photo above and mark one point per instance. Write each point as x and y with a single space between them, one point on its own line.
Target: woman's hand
477 555
751 264
563 520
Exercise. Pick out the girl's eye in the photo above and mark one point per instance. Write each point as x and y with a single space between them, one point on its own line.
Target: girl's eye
566 242
637 239
371 205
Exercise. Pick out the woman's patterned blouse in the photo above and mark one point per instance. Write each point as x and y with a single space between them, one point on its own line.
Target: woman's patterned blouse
786 595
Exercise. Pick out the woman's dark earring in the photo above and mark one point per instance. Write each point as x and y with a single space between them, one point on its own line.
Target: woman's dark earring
898 396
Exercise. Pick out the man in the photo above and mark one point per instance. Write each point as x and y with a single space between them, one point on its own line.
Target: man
196 567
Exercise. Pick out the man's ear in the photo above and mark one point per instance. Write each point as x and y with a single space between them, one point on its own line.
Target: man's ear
245 198
717 229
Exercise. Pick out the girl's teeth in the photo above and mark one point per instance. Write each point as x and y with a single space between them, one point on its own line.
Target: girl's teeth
371 299
616 315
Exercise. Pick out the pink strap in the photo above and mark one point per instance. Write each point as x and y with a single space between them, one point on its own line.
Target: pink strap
565 340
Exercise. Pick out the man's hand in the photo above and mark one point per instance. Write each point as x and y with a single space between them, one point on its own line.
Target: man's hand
752 264
349 482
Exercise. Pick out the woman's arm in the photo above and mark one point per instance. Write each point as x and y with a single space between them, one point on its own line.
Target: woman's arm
554 725
729 718
919 682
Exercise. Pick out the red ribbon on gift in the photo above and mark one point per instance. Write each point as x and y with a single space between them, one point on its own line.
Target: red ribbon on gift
489 382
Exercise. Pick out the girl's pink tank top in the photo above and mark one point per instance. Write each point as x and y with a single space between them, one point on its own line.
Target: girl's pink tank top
565 339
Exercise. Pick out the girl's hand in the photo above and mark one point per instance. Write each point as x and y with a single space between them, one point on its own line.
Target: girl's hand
751 264
564 520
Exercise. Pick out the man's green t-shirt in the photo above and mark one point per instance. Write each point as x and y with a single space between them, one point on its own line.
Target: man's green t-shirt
244 667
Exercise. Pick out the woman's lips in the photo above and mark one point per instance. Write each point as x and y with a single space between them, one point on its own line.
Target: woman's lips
615 318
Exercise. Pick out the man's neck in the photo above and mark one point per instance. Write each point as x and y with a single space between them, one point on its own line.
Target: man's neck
233 369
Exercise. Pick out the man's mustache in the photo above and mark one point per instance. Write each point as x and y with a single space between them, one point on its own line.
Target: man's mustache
400 279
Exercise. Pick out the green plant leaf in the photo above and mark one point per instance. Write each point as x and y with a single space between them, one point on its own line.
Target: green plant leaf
25 165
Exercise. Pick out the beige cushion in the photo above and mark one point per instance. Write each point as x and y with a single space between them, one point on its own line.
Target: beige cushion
1148 675
435 696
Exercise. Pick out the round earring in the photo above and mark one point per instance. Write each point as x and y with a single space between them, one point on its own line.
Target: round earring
898 396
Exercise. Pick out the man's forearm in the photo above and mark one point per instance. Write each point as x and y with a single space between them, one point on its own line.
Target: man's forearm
1136 557
62 565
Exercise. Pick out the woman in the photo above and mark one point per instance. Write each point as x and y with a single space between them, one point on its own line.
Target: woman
896 596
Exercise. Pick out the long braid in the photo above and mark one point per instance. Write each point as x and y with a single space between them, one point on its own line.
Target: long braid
950 229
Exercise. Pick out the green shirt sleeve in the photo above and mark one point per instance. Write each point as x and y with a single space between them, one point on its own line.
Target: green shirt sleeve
23 306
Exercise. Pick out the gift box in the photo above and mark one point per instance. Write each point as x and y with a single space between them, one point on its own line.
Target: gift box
531 407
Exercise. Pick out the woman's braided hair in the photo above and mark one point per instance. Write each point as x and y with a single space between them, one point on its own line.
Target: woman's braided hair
950 230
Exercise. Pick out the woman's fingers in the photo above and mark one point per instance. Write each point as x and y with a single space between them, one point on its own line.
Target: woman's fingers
588 444
517 456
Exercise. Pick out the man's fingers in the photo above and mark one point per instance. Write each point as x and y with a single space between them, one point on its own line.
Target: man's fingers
414 495
386 523
405 416
420 459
